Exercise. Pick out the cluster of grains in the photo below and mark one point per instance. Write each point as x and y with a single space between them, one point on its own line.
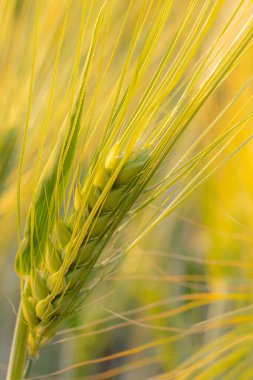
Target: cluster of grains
49 291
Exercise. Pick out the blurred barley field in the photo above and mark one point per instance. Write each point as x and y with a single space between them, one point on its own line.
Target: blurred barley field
180 305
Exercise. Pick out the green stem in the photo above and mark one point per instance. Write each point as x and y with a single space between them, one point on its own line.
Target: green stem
18 349
28 367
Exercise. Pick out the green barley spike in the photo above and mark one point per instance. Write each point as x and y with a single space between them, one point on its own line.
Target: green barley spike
54 285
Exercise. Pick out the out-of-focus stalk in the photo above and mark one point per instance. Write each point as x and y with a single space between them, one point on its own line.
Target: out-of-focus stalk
18 349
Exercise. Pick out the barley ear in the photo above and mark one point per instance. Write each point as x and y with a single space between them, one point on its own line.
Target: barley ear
56 288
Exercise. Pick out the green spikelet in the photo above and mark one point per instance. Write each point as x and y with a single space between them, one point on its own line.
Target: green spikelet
29 311
86 251
62 234
44 309
114 198
100 225
53 258
113 159
39 287
56 283
74 277
61 303
132 167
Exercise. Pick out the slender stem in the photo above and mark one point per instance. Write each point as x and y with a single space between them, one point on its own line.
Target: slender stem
28 368
18 349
